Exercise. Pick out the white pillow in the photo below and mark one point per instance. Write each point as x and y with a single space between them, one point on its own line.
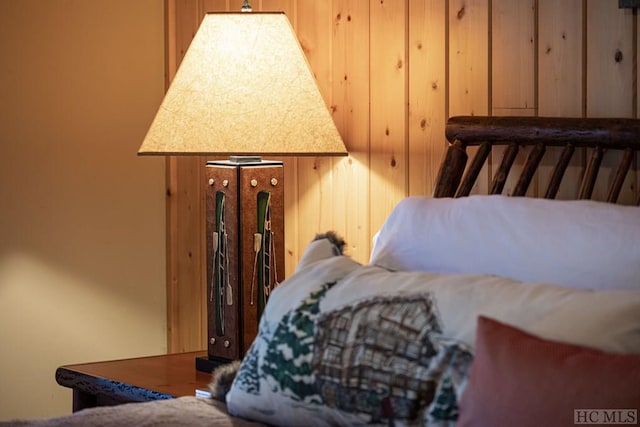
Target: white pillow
579 243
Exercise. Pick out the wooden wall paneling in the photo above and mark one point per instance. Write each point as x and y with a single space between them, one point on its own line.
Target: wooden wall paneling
170 41
427 92
560 59
350 110
469 57
220 5
380 87
286 6
513 58
292 252
513 44
171 182
315 178
560 81
192 310
610 80
388 79
186 308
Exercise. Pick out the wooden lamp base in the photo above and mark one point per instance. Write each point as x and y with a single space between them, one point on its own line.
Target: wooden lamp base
245 251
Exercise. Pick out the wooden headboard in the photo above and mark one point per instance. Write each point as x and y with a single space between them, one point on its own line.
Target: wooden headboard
598 135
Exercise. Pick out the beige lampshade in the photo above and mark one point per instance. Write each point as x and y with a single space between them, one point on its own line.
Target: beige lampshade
244 87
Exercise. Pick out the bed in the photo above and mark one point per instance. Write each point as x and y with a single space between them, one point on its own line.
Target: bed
473 310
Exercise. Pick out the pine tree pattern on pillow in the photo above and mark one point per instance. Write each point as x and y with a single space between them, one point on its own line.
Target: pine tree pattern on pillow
289 349
287 360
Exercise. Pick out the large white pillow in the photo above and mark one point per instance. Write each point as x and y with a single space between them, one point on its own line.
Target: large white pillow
580 243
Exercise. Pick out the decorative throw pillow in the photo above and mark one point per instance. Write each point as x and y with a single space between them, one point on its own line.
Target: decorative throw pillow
373 362
574 243
518 379
377 361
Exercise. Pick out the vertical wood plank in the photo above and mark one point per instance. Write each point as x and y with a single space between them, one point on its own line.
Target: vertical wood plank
560 82
513 47
286 6
469 57
560 58
315 179
218 6
513 44
427 93
291 215
185 213
610 80
170 42
388 108
171 182
350 108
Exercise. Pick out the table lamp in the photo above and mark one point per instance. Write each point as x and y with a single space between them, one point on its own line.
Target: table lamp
244 89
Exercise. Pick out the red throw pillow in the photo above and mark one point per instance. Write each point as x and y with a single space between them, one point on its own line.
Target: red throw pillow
518 379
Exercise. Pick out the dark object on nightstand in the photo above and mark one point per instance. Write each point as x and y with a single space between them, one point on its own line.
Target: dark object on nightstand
209 363
628 3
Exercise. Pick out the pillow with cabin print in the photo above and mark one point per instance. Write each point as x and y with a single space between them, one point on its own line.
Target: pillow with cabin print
378 360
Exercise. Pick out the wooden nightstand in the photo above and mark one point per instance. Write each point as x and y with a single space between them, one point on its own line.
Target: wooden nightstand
133 380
